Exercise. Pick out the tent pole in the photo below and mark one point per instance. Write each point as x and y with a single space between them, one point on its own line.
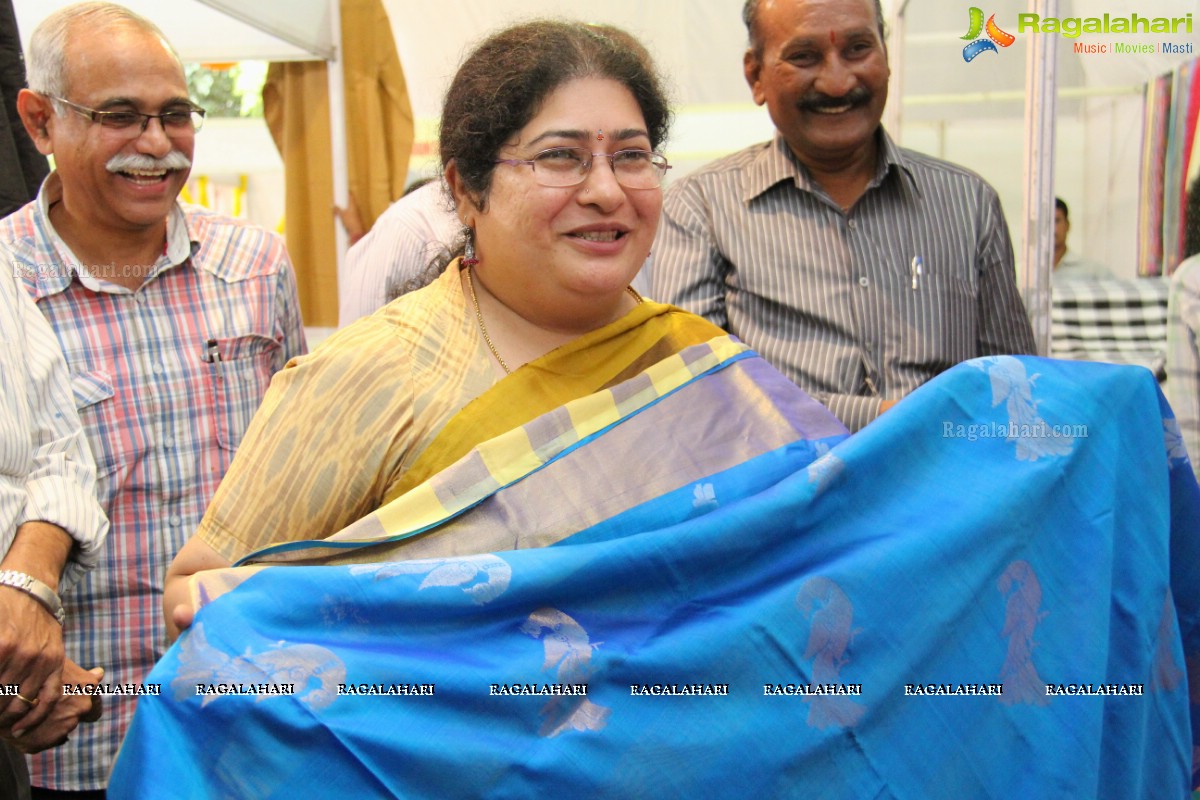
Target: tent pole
1036 258
337 130
897 53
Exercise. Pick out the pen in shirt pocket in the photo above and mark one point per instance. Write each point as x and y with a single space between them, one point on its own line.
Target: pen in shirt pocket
213 354
917 269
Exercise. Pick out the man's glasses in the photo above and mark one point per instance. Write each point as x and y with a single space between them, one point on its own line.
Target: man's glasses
560 167
185 119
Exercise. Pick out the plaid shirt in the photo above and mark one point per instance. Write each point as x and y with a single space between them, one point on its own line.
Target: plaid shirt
166 379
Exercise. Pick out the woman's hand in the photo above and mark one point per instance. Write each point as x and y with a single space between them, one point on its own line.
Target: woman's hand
195 556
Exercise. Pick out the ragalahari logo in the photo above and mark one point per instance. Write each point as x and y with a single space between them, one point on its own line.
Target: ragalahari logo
995 36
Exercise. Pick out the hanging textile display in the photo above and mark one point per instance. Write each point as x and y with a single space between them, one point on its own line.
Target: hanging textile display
1154 154
1170 162
1179 144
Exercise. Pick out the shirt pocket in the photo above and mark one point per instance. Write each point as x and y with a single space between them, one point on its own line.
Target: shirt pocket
941 328
239 371
94 399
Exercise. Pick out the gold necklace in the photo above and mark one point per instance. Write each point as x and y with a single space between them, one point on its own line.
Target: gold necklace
482 327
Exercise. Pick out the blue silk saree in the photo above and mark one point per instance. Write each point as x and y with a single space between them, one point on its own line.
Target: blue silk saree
993 591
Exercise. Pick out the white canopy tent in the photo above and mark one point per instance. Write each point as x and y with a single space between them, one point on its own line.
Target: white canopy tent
203 32
971 113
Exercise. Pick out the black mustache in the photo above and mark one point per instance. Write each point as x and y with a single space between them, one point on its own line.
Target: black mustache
815 101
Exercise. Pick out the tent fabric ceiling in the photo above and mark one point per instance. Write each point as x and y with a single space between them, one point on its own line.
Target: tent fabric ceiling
201 33
699 45
303 23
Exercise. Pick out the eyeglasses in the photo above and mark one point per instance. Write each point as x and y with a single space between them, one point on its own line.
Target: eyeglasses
186 119
560 167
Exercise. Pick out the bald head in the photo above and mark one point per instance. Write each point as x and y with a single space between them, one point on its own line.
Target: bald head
750 16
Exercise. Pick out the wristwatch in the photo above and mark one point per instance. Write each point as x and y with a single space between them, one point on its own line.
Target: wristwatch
35 589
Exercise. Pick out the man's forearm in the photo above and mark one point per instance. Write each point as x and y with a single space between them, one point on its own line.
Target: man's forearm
40 550
31 645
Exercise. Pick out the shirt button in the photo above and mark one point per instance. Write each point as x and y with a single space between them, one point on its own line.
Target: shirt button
168 443
863 282
852 224
175 522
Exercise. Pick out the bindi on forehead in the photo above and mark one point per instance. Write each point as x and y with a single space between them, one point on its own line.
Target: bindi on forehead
833 38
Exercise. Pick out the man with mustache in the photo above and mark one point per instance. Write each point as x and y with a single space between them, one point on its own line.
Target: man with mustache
858 268
172 321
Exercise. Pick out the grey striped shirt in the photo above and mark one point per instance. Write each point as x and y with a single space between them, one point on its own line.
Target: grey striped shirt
828 297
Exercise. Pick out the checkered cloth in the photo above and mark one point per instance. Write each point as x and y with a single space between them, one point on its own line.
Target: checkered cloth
1118 321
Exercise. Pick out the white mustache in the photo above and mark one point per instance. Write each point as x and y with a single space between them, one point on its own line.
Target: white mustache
123 162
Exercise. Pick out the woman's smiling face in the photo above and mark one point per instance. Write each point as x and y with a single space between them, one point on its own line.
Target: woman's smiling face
553 253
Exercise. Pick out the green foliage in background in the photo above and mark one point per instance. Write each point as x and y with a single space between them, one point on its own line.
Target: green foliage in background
233 92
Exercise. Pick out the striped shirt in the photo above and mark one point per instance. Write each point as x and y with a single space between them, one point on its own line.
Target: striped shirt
46 470
1183 354
166 379
832 298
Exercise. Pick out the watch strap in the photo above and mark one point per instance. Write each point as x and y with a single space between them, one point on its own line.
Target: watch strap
35 589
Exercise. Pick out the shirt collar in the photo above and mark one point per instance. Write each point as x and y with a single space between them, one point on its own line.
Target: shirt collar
178 251
777 163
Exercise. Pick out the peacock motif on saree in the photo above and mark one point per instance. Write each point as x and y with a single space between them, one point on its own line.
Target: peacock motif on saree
1013 385
831 629
312 673
1022 612
483 578
569 656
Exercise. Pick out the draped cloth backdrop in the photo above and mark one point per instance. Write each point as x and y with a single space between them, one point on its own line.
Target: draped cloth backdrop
379 138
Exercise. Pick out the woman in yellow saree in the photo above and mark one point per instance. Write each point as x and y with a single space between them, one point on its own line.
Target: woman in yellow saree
597 548
548 143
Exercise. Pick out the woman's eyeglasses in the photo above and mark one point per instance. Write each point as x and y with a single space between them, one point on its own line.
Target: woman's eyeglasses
560 167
